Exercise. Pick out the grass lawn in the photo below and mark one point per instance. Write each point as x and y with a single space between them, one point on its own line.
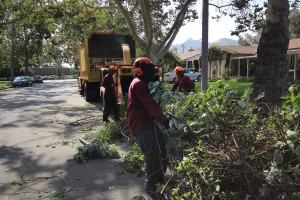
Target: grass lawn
5 84
239 86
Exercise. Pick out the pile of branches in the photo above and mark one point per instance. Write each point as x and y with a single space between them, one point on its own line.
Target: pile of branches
222 148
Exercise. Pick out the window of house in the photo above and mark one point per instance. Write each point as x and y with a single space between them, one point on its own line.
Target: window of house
292 61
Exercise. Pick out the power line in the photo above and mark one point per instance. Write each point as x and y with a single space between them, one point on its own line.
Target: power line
182 45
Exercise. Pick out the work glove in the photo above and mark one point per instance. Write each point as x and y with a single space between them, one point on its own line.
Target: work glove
166 124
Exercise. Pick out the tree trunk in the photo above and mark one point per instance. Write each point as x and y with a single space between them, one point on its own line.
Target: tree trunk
26 61
12 55
152 55
271 75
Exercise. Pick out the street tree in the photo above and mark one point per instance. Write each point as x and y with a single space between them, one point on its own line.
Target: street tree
154 24
24 29
77 20
271 76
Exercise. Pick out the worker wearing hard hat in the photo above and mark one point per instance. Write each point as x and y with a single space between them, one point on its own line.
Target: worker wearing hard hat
142 113
110 104
184 83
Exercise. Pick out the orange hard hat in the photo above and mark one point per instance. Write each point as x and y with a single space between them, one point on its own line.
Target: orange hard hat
141 60
112 68
178 69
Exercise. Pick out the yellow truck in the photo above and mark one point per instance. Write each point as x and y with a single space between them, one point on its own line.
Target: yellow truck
96 53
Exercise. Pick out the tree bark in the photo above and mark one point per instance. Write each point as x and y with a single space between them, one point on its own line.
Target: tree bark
271 75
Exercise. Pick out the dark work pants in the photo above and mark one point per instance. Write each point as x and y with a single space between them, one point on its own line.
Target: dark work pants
153 147
110 105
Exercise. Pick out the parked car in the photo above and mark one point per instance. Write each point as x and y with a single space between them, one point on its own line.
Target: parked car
170 77
22 81
37 79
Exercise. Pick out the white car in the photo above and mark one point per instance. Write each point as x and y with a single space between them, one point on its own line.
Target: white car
170 77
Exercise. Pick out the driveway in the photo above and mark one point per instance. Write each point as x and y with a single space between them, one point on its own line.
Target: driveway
34 121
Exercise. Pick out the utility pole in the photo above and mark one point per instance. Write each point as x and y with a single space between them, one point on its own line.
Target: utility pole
182 47
204 59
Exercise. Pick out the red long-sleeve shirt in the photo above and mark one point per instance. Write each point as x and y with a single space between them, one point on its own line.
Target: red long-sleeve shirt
185 84
108 80
141 108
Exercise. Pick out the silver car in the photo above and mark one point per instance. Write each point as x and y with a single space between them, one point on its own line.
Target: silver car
170 77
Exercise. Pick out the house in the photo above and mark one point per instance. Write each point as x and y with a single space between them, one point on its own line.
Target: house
242 60
189 56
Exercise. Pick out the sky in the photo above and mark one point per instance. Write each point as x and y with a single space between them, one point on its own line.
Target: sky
216 31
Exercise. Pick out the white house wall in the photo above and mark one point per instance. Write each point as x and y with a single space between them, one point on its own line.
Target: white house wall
190 60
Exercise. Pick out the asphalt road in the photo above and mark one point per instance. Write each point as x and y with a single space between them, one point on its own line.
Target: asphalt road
34 121
38 116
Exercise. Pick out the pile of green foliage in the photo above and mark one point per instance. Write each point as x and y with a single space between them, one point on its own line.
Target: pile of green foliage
101 145
227 149
97 148
134 161
113 132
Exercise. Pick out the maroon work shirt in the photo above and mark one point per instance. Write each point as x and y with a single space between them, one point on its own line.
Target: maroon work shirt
141 109
108 80
185 84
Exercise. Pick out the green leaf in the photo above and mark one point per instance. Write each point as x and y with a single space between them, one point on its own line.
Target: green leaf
218 188
289 133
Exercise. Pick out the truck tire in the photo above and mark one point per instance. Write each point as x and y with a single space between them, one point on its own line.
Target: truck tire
81 91
86 92
199 78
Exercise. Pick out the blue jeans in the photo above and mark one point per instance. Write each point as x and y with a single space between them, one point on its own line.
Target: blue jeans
153 147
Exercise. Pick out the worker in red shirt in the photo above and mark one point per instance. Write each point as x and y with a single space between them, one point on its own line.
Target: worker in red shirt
184 83
142 114
110 104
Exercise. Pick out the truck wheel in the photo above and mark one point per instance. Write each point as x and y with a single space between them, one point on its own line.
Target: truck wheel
86 94
81 91
199 78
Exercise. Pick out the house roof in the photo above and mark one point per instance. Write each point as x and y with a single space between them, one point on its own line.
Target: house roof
241 50
294 43
189 54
